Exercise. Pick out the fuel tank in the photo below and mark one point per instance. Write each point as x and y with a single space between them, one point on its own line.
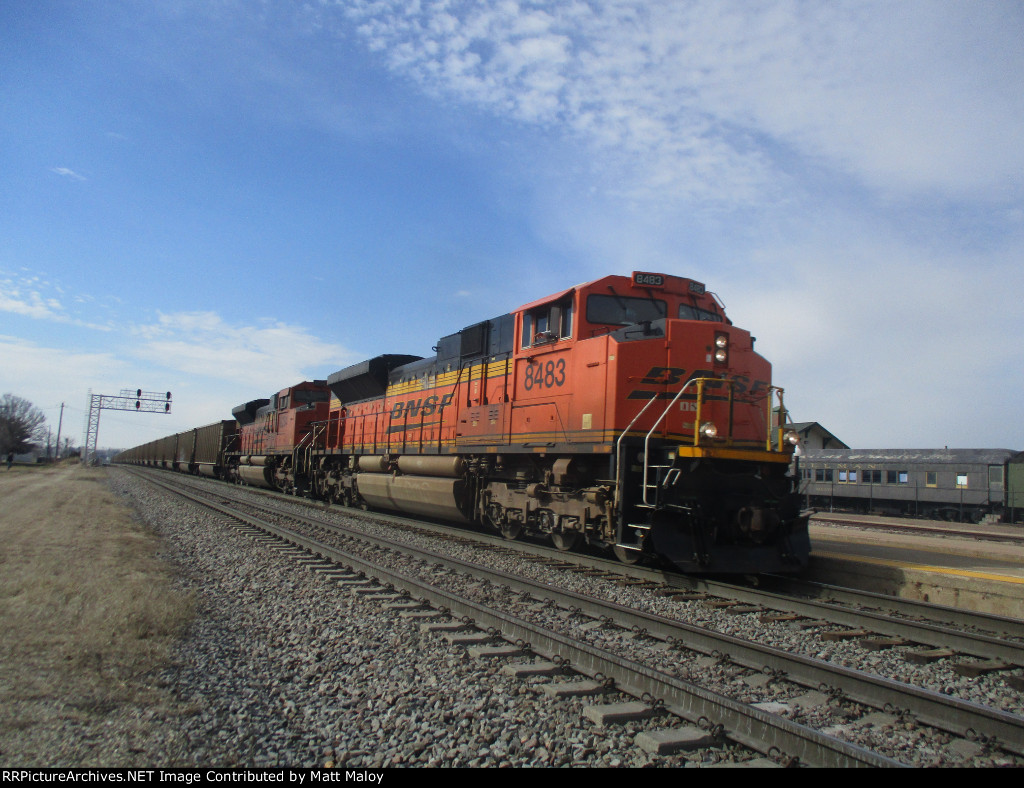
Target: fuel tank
425 495
258 476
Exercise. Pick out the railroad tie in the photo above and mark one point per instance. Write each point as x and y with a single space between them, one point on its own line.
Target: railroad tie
774 618
673 740
929 655
568 689
846 634
737 610
880 644
973 670
618 713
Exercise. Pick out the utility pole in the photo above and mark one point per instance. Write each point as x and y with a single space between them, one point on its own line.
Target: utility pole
60 423
138 400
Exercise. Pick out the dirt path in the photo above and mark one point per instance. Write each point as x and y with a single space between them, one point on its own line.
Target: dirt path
87 613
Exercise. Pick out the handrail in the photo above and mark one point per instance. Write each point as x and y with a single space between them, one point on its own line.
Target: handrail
783 414
297 448
618 450
700 384
696 423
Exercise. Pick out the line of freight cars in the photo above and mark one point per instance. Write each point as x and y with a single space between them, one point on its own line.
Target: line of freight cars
200 451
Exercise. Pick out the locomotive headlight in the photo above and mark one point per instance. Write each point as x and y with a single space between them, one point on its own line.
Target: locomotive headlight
792 437
709 430
721 348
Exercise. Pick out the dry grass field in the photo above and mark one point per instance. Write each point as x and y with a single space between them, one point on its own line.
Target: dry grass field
87 613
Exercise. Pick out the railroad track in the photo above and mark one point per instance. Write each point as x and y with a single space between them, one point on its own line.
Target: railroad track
925 527
975 634
745 723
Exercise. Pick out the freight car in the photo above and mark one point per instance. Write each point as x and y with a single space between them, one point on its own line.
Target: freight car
200 450
628 413
963 485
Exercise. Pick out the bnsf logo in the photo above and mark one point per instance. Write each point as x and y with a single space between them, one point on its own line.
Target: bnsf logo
672 376
420 407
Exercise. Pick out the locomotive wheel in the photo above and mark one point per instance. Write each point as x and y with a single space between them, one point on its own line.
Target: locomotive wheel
627 556
512 530
565 540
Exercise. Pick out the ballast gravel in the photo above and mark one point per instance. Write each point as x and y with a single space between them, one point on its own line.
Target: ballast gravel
284 667
892 735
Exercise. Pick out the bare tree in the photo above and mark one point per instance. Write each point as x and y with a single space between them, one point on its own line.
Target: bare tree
21 423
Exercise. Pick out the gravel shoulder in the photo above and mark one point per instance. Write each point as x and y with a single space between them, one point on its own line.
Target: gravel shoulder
88 610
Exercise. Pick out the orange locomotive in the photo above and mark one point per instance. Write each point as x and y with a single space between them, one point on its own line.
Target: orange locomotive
273 442
627 412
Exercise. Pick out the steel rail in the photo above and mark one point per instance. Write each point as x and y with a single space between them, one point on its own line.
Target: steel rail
961 717
991 646
821 517
936 631
752 727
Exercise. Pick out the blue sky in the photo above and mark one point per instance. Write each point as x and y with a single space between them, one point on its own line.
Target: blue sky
220 198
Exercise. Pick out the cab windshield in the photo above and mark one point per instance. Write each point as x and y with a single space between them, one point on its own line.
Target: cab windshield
687 312
615 310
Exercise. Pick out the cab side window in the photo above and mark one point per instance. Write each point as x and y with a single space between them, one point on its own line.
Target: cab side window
548 323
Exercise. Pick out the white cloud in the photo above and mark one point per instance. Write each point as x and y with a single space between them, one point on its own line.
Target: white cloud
266 356
64 172
709 99
26 296
890 342
30 304
28 364
209 365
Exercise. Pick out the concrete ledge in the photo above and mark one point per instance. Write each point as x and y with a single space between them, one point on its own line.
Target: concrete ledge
942 588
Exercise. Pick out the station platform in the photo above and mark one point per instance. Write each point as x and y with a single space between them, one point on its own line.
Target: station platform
954 564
